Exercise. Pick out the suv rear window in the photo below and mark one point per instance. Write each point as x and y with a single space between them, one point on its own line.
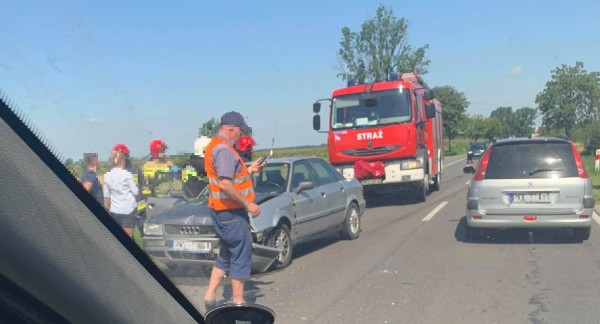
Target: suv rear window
531 160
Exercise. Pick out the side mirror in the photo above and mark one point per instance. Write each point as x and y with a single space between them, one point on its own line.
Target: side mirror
316 122
316 107
469 169
430 110
304 185
429 94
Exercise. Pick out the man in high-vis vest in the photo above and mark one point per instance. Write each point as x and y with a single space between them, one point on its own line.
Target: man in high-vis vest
231 201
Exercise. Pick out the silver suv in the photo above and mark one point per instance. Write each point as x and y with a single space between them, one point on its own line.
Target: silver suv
530 183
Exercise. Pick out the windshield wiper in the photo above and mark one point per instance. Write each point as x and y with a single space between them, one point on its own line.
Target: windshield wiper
544 170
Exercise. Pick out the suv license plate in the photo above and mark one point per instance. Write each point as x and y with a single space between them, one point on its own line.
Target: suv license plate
529 198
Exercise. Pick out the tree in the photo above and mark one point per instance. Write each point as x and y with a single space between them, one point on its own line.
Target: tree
380 49
454 105
571 97
210 127
523 121
474 126
492 128
505 116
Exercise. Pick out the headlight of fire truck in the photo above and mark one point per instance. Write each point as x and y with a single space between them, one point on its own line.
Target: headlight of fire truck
153 229
411 164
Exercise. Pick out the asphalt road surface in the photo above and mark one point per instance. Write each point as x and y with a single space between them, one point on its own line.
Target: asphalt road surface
413 264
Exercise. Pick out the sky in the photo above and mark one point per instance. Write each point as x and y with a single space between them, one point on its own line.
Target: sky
91 74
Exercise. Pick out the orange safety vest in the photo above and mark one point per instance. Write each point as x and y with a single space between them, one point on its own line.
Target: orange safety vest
218 200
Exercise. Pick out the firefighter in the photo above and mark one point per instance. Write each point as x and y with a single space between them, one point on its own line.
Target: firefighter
194 174
158 161
244 147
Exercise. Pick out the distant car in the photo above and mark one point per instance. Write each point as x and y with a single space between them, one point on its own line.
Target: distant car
300 198
476 149
530 183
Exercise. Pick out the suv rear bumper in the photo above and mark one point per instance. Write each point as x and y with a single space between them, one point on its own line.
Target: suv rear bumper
541 221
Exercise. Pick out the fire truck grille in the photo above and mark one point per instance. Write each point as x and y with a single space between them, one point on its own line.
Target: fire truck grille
189 229
373 151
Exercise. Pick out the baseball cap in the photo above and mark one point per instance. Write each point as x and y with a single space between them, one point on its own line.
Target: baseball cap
235 119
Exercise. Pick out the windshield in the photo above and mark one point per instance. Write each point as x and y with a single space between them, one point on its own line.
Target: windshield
376 108
273 178
145 103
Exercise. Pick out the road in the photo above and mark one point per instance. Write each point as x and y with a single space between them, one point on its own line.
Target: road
412 264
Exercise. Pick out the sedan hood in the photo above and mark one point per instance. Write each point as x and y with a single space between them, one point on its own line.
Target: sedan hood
196 213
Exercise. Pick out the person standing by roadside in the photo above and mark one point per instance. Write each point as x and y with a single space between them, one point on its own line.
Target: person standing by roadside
89 178
120 192
231 200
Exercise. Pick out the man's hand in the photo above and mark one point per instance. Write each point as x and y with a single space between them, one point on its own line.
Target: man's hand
253 209
256 166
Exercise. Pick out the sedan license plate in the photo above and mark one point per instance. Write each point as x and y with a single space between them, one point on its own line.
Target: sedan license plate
528 198
190 246
371 181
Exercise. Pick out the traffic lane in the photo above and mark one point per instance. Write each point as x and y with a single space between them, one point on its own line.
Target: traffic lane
424 271
324 272
438 277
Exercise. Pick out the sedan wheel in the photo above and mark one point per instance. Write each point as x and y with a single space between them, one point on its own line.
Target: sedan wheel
281 239
351 228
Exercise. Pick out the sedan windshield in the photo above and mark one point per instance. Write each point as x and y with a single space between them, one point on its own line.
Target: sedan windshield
376 108
272 179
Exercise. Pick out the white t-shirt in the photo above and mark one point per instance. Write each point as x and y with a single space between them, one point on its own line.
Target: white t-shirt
120 188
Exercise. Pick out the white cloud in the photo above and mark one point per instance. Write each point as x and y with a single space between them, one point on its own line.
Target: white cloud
517 70
97 120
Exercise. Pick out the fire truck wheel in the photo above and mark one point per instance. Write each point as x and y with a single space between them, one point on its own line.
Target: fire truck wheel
422 189
436 182
351 228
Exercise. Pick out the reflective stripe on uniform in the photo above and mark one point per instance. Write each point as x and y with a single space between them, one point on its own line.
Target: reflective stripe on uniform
222 195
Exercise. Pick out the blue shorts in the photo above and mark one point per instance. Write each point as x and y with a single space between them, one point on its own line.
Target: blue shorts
235 255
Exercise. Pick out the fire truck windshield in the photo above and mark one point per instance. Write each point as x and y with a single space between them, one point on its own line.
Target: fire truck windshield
371 109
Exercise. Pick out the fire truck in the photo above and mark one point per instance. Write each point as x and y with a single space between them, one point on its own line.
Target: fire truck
386 134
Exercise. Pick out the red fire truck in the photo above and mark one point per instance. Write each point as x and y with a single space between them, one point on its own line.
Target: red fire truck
386 134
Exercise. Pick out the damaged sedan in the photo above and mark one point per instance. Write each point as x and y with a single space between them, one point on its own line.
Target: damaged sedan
301 198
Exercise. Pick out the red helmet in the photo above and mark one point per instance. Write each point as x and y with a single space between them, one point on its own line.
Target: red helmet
156 147
121 147
246 143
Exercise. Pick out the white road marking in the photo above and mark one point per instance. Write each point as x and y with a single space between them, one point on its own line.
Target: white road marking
596 217
433 212
468 181
449 164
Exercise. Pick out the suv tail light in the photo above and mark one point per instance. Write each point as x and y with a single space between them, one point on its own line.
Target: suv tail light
580 166
480 171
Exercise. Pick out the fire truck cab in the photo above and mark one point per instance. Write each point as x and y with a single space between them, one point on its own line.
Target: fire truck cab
386 134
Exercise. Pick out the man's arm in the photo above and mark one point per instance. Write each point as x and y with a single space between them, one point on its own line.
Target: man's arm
227 186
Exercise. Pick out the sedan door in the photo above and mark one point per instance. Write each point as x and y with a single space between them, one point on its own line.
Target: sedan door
311 206
333 191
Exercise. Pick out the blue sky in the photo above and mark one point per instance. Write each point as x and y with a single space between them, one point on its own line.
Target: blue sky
90 74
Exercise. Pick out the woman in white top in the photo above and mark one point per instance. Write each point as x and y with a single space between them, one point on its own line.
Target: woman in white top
120 192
